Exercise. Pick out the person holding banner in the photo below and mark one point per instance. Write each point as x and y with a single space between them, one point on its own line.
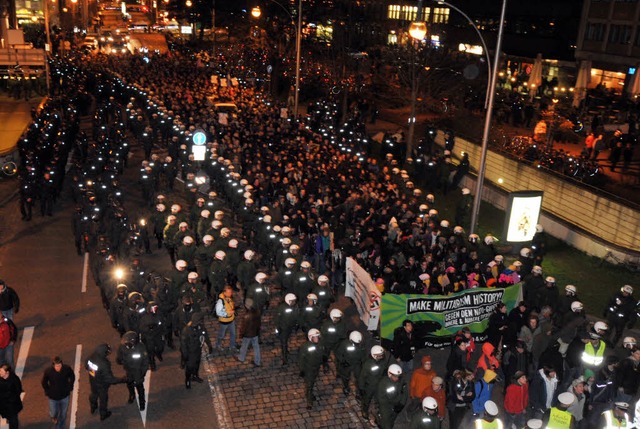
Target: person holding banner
404 347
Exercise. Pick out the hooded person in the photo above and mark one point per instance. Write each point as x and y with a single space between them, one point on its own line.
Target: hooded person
421 378
100 379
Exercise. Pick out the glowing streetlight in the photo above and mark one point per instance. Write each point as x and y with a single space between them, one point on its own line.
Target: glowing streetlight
256 12
417 31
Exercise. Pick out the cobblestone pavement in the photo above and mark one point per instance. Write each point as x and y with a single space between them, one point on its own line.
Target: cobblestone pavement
272 396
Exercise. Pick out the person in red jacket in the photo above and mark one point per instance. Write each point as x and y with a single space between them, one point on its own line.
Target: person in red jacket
516 401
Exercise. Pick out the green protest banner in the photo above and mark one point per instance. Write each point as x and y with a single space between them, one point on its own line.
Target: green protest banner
437 317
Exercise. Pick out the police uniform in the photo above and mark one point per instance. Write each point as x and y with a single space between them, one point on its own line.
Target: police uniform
132 355
391 397
311 357
287 319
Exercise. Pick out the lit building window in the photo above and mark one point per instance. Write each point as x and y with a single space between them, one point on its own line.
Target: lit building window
409 13
394 11
440 15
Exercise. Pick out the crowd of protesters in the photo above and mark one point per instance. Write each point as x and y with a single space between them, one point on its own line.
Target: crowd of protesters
272 211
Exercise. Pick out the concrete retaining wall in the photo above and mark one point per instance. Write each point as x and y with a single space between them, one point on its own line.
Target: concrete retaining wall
583 219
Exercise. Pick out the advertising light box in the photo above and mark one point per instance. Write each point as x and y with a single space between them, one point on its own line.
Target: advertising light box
523 212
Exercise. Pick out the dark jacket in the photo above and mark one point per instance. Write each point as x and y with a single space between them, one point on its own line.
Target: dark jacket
250 323
9 299
10 390
99 367
58 385
404 345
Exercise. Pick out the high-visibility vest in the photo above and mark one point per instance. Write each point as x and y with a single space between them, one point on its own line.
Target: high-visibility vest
559 419
228 308
613 422
483 424
592 357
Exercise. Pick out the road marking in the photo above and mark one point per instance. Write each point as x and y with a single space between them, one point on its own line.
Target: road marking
217 398
25 344
76 388
147 383
85 271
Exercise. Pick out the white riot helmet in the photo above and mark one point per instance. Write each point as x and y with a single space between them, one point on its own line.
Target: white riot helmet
313 297
187 240
219 214
313 333
216 224
225 232
233 243
175 208
266 219
600 327
429 403
444 223
570 289
249 254
323 280
473 238
466 191
628 342
335 315
627 288
550 279
395 369
458 230
525 252
305 264
192 275
205 214
183 225
355 337
489 239
377 352
286 242
576 306
207 239
289 262
537 269
260 277
181 265
290 299
220 255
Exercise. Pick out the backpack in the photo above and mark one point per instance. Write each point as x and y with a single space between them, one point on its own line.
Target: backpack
7 331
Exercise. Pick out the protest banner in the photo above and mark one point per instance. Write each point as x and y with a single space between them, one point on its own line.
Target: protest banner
361 288
436 317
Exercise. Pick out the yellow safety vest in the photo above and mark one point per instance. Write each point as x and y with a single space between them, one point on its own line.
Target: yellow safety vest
613 422
559 419
228 308
592 357
483 424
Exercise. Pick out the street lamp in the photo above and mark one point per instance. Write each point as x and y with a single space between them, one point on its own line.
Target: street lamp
255 12
417 31
487 122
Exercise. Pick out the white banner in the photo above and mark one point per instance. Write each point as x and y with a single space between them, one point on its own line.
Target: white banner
362 290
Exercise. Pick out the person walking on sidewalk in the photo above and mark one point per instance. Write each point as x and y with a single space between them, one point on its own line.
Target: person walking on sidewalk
57 382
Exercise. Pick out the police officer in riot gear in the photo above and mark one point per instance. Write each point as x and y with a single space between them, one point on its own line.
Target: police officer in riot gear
132 355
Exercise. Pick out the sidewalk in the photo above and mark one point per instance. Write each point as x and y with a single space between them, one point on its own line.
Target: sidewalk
15 116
